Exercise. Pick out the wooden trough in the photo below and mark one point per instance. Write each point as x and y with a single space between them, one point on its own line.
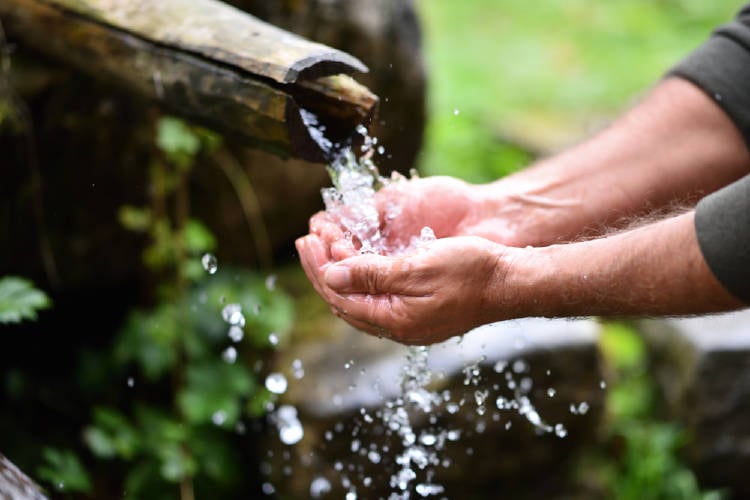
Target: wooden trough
207 61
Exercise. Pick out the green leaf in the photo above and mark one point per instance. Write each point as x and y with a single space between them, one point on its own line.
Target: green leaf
63 471
134 218
112 435
197 237
265 311
178 142
215 388
19 300
149 340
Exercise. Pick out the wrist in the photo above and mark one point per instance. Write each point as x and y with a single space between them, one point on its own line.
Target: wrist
523 284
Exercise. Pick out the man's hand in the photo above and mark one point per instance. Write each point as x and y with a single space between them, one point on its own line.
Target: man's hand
443 289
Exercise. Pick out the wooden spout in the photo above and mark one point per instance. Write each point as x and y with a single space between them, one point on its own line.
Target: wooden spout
204 60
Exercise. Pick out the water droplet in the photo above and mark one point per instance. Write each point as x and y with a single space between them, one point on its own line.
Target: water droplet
131 382
426 490
276 383
500 366
718 97
268 489
319 487
520 366
210 264
507 425
298 371
271 282
428 439
480 396
273 339
602 385
351 495
560 431
219 417
551 392
374 456
290 428
456 112
426 235
229 355
232 314
235 333
581 409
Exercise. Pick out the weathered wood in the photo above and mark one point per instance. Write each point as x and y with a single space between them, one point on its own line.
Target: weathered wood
219 32
15 485
197 74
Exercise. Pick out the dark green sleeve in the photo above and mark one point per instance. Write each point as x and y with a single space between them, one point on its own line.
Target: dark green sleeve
722 224
721 67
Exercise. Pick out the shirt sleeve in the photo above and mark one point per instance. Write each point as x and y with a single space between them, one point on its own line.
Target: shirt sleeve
721 67
722 225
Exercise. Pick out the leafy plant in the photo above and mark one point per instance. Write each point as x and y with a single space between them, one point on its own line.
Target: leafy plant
644 450
64 471
19 300
180 345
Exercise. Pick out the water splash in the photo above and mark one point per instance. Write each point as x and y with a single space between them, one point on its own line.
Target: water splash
209 262
351 201
276 383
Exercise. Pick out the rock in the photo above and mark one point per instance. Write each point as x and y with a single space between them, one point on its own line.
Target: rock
702 366
352 379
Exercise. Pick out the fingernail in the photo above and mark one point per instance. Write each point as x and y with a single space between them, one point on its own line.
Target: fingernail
338 277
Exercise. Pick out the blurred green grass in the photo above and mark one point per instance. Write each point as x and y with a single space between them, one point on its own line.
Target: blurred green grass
540 75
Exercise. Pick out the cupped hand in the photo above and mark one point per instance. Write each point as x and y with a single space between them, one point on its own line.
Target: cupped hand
443 289
444 204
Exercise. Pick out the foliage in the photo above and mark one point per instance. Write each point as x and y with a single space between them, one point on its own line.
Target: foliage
176 344
64 471
644 462
19 300
544 73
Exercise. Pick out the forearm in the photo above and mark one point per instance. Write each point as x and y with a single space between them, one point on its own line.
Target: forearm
656 269
674 147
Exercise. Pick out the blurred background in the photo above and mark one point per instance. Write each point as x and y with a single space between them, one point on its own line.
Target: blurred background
117 378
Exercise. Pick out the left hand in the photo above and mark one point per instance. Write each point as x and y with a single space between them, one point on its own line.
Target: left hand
443 289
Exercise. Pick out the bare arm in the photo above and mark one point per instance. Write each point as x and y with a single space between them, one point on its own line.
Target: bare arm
672 148
456 284
657 269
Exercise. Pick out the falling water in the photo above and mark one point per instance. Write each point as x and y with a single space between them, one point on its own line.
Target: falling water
351 202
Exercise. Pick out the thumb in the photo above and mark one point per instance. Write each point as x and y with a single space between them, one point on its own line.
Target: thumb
366 274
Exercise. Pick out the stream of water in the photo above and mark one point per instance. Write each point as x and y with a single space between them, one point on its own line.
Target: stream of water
416 461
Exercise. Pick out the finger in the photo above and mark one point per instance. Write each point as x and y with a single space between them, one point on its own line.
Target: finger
377 316
370 274
369 328
314 261
342 249
317 221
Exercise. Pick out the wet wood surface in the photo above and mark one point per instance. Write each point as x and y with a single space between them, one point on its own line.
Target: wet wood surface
203 60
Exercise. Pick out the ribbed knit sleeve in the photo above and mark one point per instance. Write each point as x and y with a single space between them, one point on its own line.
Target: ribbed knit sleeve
721 67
